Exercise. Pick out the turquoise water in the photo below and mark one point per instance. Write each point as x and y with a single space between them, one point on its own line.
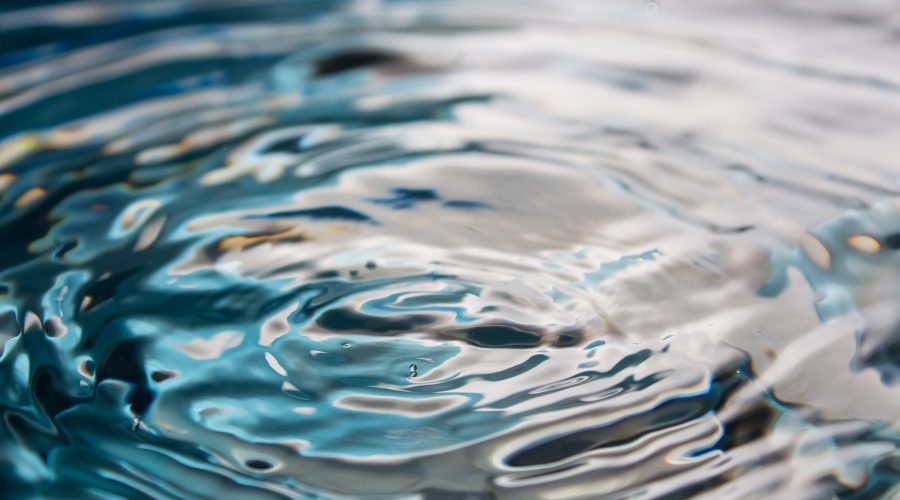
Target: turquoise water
442 249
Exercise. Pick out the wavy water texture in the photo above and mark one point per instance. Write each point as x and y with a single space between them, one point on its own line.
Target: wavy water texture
542 249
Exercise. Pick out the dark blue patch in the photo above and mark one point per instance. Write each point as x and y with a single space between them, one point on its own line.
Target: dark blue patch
508 336
353 59
466 204
329 212
406 198
344 320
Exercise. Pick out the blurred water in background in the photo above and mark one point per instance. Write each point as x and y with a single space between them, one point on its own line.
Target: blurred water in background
530 249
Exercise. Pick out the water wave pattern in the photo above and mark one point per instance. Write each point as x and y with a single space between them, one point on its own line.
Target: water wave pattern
534 249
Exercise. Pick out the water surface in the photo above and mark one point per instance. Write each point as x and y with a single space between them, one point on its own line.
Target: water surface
533 249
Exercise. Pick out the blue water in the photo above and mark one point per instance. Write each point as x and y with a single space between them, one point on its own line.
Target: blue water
449 249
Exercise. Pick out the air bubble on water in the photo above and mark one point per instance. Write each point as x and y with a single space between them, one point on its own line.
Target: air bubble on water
413 371
346 345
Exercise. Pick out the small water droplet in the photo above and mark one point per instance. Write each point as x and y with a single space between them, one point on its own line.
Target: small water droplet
413 371
346 345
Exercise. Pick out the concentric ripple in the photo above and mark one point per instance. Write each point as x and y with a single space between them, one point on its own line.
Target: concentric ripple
542 249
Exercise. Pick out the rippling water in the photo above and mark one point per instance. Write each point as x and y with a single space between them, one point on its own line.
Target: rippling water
546 249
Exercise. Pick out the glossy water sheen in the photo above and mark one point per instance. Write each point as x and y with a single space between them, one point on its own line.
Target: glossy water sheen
551 249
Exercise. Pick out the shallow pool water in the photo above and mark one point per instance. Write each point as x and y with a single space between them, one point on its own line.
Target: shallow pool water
444 249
